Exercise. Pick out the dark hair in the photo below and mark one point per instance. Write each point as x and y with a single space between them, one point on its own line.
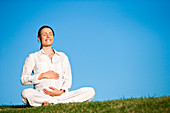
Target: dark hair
39 31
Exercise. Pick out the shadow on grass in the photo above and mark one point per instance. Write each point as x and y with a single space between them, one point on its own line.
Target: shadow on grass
19 106
14 106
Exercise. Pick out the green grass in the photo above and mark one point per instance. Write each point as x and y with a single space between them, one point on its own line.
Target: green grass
141 105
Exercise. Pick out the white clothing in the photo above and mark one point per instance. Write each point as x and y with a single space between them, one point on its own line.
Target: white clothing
35 98
39 62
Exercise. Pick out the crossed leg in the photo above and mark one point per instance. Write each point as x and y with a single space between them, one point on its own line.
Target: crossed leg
35 98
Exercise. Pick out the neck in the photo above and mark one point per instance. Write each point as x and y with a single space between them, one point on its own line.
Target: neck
48 50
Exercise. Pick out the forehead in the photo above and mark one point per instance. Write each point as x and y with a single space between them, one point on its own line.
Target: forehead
46 30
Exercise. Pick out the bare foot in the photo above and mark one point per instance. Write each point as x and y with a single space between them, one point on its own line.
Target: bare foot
46 103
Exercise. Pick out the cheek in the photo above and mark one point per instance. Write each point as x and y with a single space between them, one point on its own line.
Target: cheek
53 39
43 39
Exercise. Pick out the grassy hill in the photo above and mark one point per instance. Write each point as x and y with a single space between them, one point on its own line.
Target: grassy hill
141 105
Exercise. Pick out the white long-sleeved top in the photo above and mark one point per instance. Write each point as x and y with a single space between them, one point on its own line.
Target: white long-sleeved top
39 62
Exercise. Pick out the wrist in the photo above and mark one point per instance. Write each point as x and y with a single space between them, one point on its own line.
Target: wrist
62 91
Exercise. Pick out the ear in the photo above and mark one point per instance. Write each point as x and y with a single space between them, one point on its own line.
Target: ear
39 39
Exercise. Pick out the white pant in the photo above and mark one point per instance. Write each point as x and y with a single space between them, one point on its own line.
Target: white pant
35 98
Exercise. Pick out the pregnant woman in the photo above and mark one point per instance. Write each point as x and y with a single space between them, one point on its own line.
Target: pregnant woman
51 77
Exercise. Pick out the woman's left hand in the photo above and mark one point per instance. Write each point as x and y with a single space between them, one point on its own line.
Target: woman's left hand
53 93
49 75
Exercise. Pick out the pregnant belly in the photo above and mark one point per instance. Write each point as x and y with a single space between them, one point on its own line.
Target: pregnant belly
46 83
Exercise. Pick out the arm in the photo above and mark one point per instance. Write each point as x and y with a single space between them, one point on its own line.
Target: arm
26 77
66 74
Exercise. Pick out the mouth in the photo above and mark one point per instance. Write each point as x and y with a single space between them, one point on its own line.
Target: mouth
48 40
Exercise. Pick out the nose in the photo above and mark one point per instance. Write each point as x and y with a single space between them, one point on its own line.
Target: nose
48 35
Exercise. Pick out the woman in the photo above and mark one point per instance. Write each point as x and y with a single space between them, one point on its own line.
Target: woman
51 77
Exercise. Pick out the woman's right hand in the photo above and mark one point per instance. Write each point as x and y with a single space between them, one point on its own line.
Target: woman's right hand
49 75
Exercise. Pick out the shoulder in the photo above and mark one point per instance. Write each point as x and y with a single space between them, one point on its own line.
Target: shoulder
62 54
34 54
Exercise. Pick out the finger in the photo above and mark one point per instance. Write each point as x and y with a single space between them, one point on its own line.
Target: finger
52 71
58 75
52 88
44 89
47 91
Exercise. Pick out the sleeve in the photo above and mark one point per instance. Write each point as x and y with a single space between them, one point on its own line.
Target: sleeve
67 75
26 77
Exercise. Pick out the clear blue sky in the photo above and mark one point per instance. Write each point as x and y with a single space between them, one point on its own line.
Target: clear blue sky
120 48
